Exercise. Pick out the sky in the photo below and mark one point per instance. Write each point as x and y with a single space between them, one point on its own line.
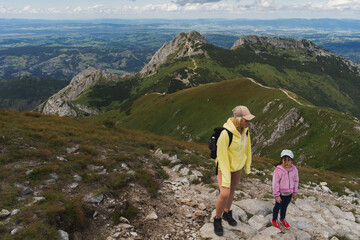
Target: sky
179 9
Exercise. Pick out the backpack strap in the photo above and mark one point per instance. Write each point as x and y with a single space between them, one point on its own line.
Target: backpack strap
230 141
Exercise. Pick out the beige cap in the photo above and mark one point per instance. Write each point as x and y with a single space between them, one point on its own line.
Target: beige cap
243 112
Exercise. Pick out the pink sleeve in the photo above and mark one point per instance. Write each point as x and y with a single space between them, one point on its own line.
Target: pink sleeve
296 183
276 184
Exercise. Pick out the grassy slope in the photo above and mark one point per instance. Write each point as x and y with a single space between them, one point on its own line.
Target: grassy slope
31 141
193 113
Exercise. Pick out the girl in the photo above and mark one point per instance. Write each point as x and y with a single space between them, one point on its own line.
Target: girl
285 186
232 159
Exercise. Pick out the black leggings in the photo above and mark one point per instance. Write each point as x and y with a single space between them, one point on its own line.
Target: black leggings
285 200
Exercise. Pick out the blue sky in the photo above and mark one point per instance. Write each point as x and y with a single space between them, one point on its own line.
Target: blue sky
179 9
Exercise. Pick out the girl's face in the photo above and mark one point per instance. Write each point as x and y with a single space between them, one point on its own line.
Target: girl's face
287 162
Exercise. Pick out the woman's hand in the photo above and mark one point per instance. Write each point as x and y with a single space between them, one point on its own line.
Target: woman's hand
294 197
278 200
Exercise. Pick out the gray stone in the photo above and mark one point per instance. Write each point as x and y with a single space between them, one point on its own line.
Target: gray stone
15 211
71 150
301 223
255 207
207 232
151 216
270 231
196 173
26 191
317 217
125 166
184 171
77 178
54 176
176 168
4 214
258 222
304 205
63 235
340 214
97 199
37 199
301 235
73 185
174 159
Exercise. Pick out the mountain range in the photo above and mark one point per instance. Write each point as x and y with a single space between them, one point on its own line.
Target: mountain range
291 86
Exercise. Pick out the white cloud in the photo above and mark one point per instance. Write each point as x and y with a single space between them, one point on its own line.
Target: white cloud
78 9
29 9
53 10
186 2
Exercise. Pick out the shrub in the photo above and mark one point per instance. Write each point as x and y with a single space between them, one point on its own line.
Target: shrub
130 212
38 231
146 178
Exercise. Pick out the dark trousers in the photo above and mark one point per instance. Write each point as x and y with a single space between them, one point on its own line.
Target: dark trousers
285 200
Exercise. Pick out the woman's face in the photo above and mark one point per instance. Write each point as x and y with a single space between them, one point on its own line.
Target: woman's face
244 123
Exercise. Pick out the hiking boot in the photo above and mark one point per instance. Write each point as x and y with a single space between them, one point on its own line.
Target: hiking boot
218 229
228 217
275 223
285 223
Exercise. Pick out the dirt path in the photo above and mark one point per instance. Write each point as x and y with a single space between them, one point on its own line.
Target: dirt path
284 91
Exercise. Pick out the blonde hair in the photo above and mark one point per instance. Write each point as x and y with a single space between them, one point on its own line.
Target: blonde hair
237 122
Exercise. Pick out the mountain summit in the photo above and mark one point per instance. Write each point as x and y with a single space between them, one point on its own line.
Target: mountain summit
183 45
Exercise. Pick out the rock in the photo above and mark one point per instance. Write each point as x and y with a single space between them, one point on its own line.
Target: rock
183 45
184 171
96 199
160 155
323 183
301 235
340 214
302 223
304 205
4 214
196 173
72 150
202 206
14 212
326 189
16 230
26 191
255 207
176 167
77 178
283 125
357 194
73 185
125 166
54 176
124 220
270 231
207 232
61 158
28 172
37 199
258 222
151 216
61 103
174 159
63 235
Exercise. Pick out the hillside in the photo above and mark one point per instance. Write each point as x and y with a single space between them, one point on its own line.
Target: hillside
188 60
94 180
26 93
322 137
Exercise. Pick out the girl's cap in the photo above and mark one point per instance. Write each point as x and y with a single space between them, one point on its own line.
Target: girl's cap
287 152
242 111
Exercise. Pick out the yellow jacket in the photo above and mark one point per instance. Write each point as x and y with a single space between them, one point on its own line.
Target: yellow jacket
233 158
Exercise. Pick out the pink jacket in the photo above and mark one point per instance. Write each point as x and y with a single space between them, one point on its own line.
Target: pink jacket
285 181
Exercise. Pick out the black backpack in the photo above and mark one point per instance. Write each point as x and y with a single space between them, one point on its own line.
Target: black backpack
214 138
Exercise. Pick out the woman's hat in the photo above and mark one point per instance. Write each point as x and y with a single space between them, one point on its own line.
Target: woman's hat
287 152
243 112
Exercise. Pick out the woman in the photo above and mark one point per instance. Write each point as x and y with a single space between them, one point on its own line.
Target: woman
231 160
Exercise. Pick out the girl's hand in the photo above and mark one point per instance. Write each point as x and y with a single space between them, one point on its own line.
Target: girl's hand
278 200
294 196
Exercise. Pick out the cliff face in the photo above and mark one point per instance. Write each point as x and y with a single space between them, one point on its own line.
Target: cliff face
183 45
260 43
61 102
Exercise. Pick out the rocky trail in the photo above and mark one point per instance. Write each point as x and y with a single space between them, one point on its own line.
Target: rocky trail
184 208
185 211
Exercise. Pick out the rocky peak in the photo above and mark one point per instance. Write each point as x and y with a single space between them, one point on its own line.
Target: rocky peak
183 45
60 103
284 43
